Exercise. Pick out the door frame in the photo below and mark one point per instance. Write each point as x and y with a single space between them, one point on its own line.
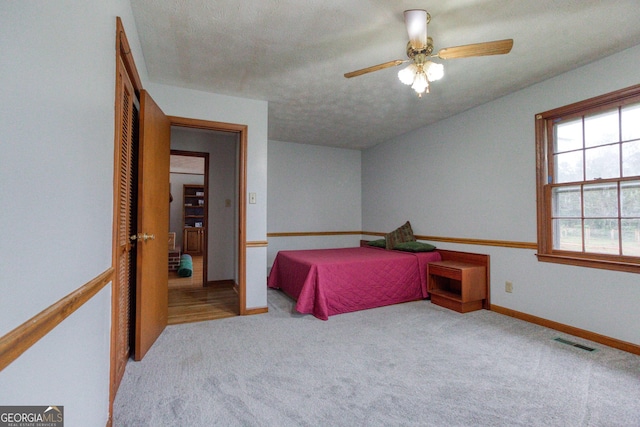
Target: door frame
122 55
241 131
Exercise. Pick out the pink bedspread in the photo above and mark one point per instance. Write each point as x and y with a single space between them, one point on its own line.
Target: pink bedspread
332 281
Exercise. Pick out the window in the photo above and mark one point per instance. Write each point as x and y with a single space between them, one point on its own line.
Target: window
588 182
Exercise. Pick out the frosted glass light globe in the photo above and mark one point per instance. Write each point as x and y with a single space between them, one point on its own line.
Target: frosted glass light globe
420 84
408 74
434 71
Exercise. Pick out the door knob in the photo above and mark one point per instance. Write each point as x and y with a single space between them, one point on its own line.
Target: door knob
142 237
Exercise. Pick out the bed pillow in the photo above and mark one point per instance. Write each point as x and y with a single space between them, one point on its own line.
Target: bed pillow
401 234
414 247
380 243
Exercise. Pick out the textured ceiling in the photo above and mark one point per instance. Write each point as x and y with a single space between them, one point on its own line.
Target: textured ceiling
293 54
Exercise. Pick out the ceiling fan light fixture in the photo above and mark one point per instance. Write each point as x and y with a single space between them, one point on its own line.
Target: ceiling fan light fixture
421 72
420 75
416 22
407 75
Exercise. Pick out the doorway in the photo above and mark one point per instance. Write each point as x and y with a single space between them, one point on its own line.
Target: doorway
193 296
188 218
218 262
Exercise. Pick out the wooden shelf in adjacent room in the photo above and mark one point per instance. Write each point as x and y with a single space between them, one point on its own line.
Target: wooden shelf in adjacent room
193 214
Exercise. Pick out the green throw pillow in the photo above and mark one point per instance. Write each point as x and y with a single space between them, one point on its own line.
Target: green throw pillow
401 234
414 247
380 243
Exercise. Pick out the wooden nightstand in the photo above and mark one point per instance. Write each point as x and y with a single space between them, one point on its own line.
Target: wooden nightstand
457 285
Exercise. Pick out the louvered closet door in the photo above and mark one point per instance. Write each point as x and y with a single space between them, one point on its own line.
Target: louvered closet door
125 201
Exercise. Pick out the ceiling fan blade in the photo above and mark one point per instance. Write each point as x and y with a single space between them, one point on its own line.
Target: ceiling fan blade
374 68
416 21
498 47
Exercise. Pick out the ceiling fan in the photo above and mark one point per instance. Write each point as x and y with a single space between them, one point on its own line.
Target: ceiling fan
421 71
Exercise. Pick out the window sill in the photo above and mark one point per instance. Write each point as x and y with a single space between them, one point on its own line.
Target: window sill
629 267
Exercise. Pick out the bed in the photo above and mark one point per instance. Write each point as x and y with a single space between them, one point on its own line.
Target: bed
325 282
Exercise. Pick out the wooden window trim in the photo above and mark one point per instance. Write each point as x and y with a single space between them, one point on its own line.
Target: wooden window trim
546 253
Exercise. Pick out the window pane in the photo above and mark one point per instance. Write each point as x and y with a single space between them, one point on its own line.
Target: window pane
601 236
567 202
631 158
568 136
601 129
631 237
568 167
631 122
630 199
567 235
601 200
603 162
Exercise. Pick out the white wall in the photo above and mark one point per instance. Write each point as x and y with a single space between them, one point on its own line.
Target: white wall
194 104
473 176
56 197
222 231
312 188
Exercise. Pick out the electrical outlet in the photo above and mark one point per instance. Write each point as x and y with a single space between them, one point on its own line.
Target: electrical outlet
508 287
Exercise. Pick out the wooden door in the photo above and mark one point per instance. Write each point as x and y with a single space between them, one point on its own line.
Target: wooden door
124 221
153 225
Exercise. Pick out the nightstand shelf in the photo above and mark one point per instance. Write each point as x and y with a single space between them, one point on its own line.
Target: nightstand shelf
457 285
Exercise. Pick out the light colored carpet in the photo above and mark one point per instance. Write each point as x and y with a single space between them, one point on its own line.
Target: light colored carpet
413 364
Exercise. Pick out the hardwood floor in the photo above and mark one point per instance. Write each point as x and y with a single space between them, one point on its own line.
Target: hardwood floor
189 301
195 281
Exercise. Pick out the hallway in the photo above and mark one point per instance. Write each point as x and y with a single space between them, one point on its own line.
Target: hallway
189 301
